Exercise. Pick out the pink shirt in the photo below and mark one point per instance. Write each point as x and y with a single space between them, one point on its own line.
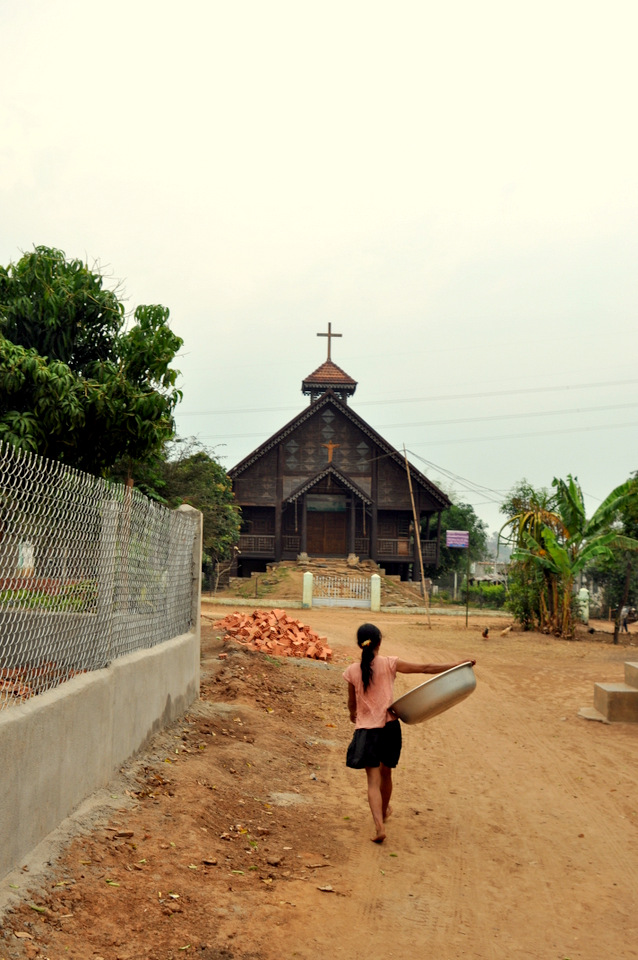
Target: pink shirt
372 704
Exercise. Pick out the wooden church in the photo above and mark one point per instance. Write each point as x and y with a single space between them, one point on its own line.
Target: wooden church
327 485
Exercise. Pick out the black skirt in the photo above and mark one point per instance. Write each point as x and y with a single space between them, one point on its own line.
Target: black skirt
378 745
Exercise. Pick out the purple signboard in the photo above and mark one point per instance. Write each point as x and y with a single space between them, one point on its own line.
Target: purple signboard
457 538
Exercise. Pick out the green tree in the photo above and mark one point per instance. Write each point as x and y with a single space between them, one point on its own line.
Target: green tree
461 516
618 574
75 383
185 472
555 549
193 476
528 510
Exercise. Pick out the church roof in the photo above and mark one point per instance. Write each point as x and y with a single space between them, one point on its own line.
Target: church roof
330 398
329 375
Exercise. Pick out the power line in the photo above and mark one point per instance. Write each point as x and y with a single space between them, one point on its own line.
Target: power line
590 428
491 418
494 496
509 416
434 398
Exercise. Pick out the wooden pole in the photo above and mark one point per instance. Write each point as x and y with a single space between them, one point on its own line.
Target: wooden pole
417 534
467 585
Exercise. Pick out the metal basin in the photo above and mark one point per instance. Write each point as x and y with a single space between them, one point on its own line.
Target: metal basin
437 694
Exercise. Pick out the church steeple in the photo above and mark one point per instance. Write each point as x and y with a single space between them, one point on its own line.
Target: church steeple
329 376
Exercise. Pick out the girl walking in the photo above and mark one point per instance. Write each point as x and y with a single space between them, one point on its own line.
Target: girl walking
376 744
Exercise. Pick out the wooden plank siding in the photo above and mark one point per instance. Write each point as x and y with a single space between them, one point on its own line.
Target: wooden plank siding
328 485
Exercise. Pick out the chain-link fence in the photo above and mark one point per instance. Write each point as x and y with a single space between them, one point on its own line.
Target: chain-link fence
89 571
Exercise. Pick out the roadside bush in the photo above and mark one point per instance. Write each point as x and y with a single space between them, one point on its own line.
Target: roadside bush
491 595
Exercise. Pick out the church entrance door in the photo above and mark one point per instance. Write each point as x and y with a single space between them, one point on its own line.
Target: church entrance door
327 534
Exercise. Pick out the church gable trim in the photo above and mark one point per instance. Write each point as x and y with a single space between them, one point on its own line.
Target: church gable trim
329 398
328 471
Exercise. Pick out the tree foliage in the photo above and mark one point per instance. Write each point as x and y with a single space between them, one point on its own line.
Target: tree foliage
461 516
554 543
185 472
195 477
75 383
618 574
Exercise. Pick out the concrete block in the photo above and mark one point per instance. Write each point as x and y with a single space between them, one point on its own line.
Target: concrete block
617 701
631 674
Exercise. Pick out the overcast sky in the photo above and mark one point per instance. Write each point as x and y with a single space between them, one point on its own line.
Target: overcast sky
452 185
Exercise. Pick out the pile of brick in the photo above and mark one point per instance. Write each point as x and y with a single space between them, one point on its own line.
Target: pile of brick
274 632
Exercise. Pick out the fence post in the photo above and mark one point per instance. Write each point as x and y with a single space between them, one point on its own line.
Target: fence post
375 593
196 587
106 579
306 601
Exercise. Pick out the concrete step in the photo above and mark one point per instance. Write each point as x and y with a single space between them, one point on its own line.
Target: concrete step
590 713
618 702
631 674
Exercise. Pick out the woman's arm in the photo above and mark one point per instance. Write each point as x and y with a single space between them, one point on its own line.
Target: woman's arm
404 666
352 703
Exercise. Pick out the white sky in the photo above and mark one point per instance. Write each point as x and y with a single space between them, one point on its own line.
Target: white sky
451 185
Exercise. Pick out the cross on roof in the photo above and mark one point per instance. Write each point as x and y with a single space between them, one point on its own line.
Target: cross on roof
329 335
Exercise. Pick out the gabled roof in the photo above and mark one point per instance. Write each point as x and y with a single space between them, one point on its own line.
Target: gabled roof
332 471
329 374
330 399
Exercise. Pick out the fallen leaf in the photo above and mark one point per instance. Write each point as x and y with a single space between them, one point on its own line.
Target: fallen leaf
21 935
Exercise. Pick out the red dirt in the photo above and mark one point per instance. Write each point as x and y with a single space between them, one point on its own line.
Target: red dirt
239 833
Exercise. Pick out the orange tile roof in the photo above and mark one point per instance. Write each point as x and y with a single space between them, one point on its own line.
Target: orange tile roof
329 372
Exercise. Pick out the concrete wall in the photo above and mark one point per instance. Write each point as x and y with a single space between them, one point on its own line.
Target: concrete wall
60 747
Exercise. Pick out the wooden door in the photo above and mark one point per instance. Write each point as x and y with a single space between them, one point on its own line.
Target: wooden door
326 534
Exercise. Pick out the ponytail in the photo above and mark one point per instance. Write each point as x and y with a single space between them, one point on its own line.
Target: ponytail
368 638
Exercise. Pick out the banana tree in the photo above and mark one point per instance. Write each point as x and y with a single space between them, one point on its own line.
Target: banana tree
531 592
563 551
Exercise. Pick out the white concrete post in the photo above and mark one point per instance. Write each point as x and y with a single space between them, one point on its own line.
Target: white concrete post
375 592
306 600
196 586
583 603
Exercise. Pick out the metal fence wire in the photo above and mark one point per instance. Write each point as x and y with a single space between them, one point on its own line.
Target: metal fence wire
89 571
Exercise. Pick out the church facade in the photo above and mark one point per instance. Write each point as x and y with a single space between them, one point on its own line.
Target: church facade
328 485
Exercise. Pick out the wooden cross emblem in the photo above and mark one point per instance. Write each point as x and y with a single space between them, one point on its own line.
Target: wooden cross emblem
331 447
329 335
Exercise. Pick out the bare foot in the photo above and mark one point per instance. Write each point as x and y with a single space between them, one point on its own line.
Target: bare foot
387 814
380 837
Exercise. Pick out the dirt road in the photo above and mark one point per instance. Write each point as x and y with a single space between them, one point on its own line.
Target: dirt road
241 834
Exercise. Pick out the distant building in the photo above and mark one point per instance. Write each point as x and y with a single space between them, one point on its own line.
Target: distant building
328 485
